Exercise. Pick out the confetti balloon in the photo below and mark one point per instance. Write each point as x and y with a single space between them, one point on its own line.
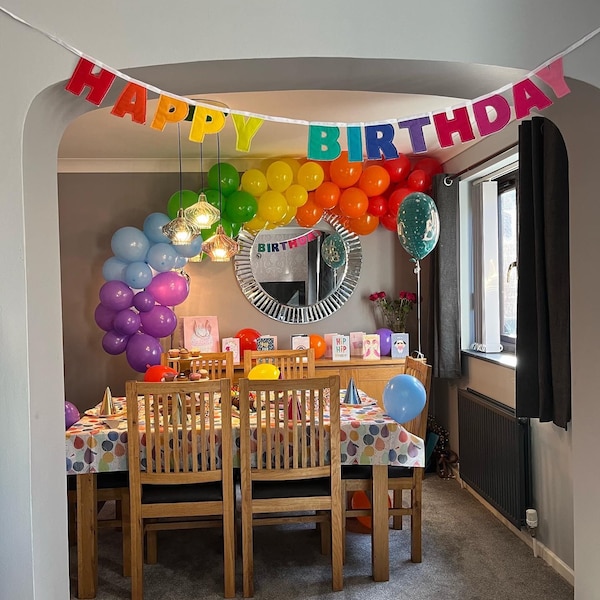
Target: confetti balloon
418 225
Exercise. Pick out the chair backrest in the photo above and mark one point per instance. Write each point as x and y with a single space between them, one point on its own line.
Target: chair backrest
293 364
422 371
298 429
218 364
186 429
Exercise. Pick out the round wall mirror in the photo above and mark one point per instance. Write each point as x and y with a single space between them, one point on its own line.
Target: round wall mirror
299 275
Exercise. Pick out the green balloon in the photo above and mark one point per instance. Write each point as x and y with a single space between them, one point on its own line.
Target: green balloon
418 225
214 197
230 178
241 207
175 201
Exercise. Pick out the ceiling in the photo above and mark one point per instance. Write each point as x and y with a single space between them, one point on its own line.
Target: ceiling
388 93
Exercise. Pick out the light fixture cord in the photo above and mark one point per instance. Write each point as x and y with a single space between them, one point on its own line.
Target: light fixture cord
180 167
201 170
219 176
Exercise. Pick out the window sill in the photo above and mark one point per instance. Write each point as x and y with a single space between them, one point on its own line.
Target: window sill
504 359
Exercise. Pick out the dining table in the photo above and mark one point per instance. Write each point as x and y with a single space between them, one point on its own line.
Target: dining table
98 444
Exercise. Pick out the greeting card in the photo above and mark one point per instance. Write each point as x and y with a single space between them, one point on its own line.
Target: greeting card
356 343
340 347
266 342
328 337
300 342
201 333
232 344
400 347
371 346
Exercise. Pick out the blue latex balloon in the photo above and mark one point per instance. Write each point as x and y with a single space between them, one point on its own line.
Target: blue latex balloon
138 275
180 262
153 225
418 225
130 244
404 398
162 257
191 249
113 269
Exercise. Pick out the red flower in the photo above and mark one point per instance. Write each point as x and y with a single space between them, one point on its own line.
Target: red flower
403 294
381 295
411 297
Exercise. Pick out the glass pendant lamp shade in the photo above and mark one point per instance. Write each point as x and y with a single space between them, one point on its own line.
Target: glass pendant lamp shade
220 247
180 230
202 214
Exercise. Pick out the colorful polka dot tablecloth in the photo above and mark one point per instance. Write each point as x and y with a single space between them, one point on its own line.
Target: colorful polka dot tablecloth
368 436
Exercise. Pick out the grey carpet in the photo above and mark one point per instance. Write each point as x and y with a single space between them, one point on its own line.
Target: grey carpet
467 554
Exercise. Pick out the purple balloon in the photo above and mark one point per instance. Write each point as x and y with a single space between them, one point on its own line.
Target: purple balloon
116 295
71 414
104 317
385 341
114 342
169 288
159 322
126 322
143 351
144 301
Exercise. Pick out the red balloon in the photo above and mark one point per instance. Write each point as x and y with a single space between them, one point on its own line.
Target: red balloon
419 181
378 206
344 173
431 166
398 168
353 203
247 339
396 198
374 180
318 343
389 222
157 372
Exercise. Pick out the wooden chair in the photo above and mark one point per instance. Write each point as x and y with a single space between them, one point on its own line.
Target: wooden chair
293 364
186 474
295 475
218 364
355 478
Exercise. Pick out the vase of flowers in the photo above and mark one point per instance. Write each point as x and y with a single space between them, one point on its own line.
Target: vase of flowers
394 312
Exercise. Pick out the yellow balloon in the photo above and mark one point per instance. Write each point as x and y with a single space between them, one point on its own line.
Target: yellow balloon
272 206
289 215
264 371
295 165
296 195
311 175
271 225
279 176
254 182
254 225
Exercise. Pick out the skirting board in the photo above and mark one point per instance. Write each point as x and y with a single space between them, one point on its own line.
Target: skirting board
543 552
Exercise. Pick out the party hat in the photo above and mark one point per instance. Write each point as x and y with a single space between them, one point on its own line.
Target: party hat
107 407
351 393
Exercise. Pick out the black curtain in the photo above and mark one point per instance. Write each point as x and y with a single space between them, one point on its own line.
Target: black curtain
543 377
444 313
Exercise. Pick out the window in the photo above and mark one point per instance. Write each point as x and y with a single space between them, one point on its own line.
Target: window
489 227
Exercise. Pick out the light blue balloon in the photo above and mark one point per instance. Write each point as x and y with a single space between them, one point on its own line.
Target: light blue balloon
153 227
138 275
161 257
191 249
404 398
418 225
113 269
130 244
180 262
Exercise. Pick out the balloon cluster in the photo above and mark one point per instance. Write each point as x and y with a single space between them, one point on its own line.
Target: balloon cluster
140 289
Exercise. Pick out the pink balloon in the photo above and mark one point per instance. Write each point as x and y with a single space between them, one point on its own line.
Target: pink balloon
159 322
169 288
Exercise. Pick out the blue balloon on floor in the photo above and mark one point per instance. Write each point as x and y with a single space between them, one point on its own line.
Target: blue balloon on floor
404 398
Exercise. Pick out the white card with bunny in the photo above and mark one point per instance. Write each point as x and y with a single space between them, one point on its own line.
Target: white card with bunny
201 333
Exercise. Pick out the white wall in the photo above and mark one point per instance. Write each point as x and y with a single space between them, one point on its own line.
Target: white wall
135 33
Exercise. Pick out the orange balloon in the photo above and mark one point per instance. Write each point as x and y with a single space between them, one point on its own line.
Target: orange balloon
364 225
360 500
374 180
344 173
353 202
310 213
318 343
327 195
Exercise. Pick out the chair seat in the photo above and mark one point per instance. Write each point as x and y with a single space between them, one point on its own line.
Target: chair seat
194 492
117 479
291 488
365 472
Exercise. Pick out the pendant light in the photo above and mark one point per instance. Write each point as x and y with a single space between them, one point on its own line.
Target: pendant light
180 230
220 247
203 214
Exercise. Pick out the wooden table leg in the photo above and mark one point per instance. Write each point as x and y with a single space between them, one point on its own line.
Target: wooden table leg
87 536
380 554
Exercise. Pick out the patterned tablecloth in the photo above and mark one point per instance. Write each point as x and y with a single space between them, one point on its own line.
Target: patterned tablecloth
368 436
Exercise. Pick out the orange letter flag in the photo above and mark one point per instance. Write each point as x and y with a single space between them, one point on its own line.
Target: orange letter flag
133 101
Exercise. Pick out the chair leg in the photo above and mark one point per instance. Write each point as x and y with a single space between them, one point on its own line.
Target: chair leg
416 522
325 533
247 554
337 542
229 550
151 547
397 519
126 533
137 559
344 522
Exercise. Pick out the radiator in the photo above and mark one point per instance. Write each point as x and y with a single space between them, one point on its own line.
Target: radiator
494 450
